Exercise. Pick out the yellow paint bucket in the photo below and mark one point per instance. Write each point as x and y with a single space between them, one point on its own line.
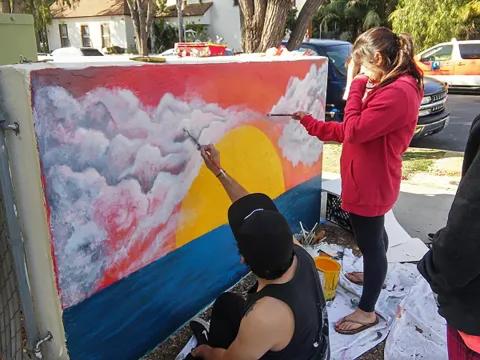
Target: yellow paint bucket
329 272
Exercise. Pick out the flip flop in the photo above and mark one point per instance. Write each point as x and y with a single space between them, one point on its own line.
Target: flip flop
359 282
364 326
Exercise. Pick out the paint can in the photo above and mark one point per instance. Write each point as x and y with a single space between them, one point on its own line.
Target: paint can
329 273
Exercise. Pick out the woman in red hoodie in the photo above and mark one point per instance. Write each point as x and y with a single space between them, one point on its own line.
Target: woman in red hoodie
379 123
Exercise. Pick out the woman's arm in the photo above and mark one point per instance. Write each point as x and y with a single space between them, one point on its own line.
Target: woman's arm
334 131
325 131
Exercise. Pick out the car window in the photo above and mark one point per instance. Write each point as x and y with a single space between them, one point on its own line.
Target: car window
305 48
91 52
439 53
338 55
470 51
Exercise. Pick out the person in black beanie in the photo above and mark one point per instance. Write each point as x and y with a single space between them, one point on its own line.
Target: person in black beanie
284 316
452 265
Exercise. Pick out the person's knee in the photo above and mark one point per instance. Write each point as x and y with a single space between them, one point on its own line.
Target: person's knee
374 250
225 302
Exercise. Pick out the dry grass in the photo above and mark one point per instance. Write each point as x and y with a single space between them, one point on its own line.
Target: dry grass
415 161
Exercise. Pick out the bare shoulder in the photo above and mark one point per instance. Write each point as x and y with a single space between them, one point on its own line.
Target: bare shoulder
269 312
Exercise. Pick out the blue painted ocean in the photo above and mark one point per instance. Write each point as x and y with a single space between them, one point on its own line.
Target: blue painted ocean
131 317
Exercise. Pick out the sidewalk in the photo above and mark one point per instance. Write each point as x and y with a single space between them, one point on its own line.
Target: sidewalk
419 209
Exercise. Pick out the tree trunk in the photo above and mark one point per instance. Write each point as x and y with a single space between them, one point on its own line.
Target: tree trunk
274 24
37 26
262 23
151 10
181 30
19 6
142 13
5 7
381 11
302 23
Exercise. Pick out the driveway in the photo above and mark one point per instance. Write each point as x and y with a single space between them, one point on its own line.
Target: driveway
422 210
464 108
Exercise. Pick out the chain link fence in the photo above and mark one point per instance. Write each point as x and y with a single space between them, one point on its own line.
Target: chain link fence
12 333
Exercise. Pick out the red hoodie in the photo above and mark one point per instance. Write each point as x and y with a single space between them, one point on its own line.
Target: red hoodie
375 132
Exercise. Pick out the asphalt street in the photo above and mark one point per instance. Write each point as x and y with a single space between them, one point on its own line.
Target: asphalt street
463 109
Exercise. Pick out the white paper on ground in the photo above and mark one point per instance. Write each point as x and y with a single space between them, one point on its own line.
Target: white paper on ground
410 251
418 332
331 249
192 344
396 233
400 279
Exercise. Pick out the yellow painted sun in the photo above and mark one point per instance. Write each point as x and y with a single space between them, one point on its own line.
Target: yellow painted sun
248 155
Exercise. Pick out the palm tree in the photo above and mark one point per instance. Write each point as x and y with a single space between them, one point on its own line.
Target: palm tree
349 18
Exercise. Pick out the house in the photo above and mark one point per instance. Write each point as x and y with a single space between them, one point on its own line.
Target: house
104 23
222 18
91 23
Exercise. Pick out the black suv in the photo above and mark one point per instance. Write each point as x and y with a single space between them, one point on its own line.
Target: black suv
433 114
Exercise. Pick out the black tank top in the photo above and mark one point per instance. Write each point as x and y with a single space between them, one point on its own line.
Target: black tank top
304 295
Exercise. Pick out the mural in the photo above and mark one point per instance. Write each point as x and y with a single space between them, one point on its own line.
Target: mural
137 223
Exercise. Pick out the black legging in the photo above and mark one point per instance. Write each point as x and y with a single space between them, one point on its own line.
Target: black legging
372 240
227 314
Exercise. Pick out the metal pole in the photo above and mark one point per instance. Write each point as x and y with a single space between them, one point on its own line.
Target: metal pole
15 239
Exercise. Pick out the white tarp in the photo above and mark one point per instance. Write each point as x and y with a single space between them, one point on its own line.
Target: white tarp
418 332
400 279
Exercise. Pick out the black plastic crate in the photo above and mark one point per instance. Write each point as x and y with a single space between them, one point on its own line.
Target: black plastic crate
335 214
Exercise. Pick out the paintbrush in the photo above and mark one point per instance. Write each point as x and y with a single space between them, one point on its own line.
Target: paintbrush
199 147
271 115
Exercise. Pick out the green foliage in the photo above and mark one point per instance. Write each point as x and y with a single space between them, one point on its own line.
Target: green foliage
170 8
430 22
201 31
346 19
164 36
291 19
40 9
115 50
132 49
161 5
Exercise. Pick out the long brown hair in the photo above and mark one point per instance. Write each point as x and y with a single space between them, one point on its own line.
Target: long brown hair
397 54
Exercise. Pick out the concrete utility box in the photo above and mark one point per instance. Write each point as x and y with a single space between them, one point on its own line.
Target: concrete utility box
17 37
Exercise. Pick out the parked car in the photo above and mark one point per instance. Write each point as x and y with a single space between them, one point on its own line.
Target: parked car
433 116
456 63
72 52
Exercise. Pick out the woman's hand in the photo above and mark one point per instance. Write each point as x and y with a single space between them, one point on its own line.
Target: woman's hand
353 70
211 156
299 115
